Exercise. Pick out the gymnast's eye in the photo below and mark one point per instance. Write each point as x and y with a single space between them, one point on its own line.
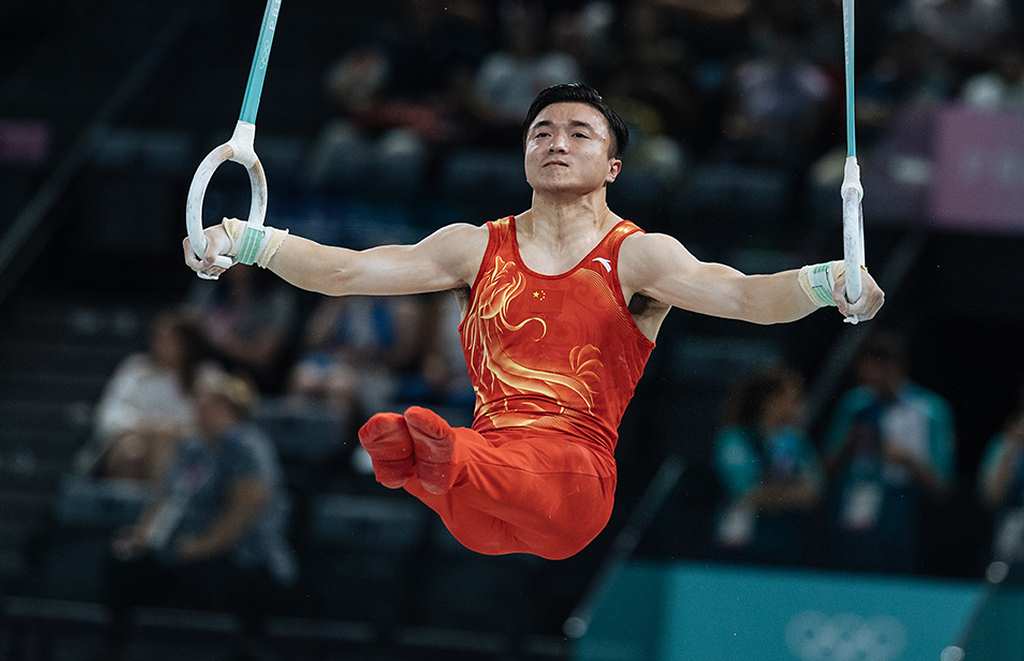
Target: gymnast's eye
581 135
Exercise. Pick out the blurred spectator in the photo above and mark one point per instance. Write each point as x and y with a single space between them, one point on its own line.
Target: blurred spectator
649 84
724 10
717 31
215 536
1002 486
509 79
1000 88
413 74
776 106
890 445
355 347
908 70
442 378
246 318
402 90
768 468
146 407
435 374
962 27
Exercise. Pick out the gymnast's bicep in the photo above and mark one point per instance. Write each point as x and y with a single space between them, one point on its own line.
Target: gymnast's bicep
660 267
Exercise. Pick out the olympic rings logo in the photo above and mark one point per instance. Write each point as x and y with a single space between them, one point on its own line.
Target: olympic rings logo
816 636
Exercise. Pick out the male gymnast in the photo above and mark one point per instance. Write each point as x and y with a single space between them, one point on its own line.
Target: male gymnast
561 307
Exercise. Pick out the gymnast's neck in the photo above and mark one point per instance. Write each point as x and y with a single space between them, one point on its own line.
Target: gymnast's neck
558 219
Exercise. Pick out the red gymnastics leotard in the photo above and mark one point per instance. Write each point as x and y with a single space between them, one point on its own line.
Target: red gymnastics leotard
554 360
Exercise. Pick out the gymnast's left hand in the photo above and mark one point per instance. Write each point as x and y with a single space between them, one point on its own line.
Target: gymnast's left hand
867 306
218 243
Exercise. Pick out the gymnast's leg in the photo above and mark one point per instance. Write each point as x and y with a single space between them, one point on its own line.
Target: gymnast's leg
534 495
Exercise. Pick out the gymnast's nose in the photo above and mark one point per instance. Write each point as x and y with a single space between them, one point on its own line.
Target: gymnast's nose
558 144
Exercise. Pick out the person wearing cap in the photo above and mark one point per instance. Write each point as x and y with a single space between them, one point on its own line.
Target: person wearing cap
215 534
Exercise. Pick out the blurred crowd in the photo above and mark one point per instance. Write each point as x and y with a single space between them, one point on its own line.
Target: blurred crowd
854 499
735 82
347 356
186 420
738 83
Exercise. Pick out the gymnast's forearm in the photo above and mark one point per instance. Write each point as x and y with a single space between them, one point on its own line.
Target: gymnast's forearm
664 270
388 270
437 263
775 299
301 262
312 266
792 295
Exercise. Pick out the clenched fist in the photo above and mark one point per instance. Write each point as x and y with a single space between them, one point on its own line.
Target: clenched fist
867 306
216 259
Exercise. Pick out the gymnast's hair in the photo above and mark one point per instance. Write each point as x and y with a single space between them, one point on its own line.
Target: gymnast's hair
580 93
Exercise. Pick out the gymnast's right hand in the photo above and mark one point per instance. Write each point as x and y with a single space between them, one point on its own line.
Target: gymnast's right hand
218 243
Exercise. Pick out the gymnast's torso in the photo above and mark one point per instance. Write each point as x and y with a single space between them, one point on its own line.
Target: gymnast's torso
552 353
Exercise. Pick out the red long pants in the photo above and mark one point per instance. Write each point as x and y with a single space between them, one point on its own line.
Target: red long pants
523 491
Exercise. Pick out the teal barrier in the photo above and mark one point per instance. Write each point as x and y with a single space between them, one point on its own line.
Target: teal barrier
999 632
689 612
996 632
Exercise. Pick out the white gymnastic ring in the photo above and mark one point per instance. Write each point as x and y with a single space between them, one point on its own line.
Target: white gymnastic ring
240 150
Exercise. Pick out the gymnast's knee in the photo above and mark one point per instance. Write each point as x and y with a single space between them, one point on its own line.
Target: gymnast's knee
556 548
566 545
496 540
499 539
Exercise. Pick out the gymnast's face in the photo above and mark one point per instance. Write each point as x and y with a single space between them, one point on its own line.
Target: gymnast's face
568 150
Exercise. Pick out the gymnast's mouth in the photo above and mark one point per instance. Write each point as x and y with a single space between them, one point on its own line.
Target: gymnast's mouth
562 163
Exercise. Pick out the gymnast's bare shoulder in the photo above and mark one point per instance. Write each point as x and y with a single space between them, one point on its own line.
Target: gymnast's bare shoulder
648 260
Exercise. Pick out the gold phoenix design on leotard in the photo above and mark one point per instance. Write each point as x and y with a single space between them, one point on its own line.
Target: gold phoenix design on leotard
497 372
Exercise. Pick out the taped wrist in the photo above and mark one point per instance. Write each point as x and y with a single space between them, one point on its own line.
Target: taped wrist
817 281
253 244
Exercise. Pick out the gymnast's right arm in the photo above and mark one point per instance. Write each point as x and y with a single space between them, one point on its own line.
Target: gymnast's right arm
447 259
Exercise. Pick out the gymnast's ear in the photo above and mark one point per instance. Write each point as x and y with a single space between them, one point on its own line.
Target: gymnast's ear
614 168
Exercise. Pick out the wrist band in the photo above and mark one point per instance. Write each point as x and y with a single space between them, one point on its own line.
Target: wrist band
817 281
249 247
271 242
253 244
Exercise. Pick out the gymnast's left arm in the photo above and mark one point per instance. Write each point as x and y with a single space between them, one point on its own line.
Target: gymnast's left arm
658 266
